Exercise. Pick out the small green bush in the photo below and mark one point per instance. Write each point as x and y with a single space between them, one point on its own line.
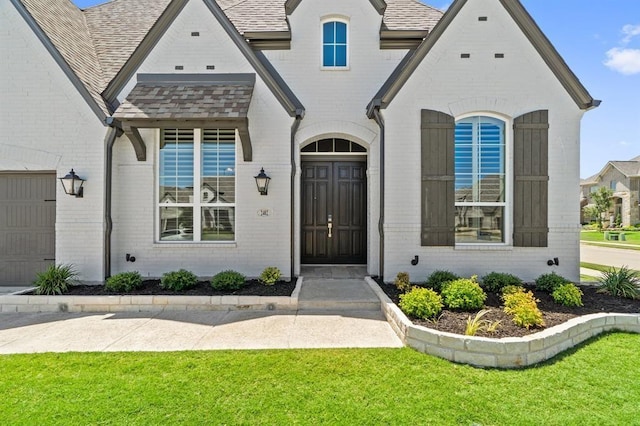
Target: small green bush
228 280
496 281
124 282
623 282
523 306
402 282
549 282
511 289
568 295
55 280
178 280
464 294
421 303
270 275
438 278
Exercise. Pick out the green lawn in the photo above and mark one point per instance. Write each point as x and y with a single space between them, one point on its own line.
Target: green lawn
595 384
632 238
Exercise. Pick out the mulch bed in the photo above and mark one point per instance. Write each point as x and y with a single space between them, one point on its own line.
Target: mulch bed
553 313
203 288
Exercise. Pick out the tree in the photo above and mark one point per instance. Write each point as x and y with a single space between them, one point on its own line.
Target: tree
602 203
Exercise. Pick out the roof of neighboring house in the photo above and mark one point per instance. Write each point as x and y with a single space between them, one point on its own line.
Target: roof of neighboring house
629 168
157 98
97 42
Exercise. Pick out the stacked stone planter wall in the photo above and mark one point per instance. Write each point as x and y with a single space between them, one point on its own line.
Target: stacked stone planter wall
132 303
512 352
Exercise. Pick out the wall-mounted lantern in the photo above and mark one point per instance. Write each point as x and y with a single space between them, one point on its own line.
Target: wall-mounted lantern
72 184
262 182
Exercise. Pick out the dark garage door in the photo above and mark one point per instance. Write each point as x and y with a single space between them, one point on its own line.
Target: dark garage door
27 226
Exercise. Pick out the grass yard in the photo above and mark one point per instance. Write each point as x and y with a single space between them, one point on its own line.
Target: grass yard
595 384
632 238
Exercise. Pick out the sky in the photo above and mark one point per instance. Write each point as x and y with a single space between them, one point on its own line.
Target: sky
600 41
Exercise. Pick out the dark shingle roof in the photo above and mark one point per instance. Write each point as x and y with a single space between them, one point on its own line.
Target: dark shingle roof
66 27
98 41
410 15
118 27
176 100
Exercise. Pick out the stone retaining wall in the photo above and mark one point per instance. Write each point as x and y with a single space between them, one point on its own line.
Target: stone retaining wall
132 303
510 352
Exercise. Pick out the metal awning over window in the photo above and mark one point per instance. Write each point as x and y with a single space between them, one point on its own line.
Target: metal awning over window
187 101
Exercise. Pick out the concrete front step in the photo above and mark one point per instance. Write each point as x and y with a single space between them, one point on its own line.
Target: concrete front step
337 305
337 294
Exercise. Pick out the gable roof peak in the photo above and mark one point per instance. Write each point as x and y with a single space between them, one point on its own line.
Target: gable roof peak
529 28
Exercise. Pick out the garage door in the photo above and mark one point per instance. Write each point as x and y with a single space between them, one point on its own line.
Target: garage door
27 226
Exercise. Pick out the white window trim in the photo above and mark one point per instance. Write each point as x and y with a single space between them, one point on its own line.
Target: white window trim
197 204
344 20
508 184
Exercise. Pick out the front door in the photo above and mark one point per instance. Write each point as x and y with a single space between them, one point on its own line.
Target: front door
334 212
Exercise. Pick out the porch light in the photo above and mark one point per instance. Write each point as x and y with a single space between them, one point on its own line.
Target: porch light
72 184
262 182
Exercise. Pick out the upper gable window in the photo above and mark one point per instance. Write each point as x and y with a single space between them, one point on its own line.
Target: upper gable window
334 44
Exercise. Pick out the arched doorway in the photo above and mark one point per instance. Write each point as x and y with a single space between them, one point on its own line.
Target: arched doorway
334 202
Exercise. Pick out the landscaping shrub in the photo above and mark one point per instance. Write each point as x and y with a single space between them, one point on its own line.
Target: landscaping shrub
622 283
496 281
55 280
568 295
270 275
421 303
402 282
178 280
124 282
438 278
228 280
523 306
549 282
464 294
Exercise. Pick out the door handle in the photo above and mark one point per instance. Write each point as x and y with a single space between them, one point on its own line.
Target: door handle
329 225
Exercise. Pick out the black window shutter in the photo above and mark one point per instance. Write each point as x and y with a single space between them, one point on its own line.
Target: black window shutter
438 192
531 179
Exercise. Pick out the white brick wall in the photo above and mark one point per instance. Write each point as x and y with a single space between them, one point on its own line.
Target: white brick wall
335 101
46 125
43 106
260 241
517 84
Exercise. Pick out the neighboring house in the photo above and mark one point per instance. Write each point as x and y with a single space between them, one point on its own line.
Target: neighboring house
623 179
394 135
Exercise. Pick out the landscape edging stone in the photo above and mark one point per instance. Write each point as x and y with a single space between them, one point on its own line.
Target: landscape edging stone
508 352
20 303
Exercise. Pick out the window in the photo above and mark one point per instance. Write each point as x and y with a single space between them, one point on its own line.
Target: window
613 185
197 158
480 180
334 44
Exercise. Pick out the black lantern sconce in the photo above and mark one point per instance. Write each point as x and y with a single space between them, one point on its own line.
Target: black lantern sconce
262 182
72 184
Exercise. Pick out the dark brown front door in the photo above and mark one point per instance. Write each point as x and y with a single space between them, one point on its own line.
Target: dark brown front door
334 212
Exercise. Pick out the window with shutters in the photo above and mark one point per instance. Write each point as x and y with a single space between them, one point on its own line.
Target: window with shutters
197 185
480 180
335 44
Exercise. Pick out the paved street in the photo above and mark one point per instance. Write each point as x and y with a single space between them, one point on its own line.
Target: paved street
610 256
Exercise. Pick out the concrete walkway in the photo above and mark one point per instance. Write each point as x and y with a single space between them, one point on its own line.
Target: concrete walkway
341 312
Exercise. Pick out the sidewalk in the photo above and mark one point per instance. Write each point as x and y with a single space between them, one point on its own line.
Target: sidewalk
334 313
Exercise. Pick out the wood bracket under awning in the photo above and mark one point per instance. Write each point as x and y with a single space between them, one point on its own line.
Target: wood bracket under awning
130 129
